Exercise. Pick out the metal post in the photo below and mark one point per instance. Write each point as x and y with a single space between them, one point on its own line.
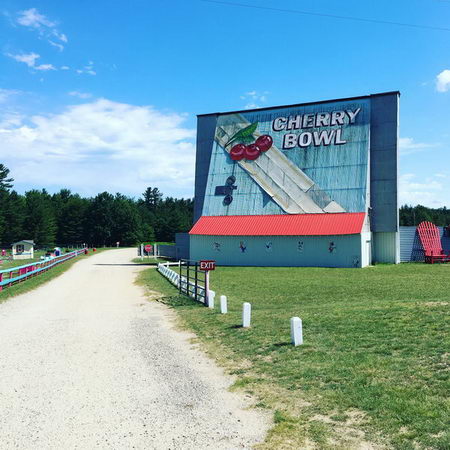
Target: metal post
180 276
187 278
196 281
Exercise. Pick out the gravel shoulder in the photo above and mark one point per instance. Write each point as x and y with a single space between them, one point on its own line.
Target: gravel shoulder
87 362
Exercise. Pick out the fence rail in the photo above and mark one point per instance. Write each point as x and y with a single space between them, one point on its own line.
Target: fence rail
184 284
22 273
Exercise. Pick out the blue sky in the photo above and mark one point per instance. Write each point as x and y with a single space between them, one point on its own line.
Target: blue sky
103 95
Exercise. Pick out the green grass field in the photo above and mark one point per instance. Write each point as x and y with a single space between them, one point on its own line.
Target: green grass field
374 366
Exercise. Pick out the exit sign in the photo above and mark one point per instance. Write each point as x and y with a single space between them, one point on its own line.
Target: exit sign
207 265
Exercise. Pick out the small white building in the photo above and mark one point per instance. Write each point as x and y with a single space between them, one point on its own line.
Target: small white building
23 250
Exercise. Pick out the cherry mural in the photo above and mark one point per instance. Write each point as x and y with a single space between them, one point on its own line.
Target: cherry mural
252 151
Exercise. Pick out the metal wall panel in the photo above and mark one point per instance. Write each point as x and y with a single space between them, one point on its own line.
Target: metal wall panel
411 249
384 162
339 172
385 248
206 127
168 251
182 245
291 251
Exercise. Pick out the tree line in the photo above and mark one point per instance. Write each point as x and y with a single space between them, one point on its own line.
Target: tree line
68 219
413 215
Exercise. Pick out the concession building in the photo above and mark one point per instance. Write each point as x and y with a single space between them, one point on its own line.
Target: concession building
312 184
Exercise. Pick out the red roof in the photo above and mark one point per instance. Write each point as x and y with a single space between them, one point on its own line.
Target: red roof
280 225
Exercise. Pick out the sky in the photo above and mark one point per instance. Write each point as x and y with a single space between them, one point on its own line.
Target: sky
103 95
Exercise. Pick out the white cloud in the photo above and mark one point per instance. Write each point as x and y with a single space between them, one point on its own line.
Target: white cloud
65 67
60 47
45 67
408 146
33 19
80 94
443 81
423 191
88 68
254 99
6 94
101 145
30 60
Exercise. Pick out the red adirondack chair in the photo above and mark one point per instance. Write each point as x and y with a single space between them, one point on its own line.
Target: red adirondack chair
431 242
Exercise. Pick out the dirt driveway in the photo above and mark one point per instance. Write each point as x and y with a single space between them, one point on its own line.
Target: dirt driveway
86 362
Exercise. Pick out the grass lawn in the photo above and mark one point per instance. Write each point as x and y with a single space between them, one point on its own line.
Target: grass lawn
33 283
21 262
374 366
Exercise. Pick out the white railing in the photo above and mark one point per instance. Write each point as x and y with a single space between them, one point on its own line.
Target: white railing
174 278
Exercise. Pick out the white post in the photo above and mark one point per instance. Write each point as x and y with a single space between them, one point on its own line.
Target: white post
142 252
246 314
296 331
211 297
207 291
223 304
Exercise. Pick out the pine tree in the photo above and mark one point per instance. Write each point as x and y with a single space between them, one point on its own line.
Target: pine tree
5 182
14 215
40 224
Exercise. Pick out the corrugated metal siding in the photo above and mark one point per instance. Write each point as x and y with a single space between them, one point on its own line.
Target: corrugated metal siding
411 248
169 251
280 225
386 247
294 251
206 127
384 162
182 245
339 170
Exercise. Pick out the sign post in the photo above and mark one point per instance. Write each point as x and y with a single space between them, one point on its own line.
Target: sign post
207 266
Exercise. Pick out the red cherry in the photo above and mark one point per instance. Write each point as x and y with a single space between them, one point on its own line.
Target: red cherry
252 152
264 142
238 152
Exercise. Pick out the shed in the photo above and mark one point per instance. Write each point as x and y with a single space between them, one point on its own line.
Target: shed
317 240
23 249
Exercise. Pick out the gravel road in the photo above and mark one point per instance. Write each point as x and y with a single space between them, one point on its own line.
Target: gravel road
87 362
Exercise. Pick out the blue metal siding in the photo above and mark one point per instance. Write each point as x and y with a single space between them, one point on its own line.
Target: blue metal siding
206 127
339 170
291 251
386 247
384 162
168 251
410 247
182 245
